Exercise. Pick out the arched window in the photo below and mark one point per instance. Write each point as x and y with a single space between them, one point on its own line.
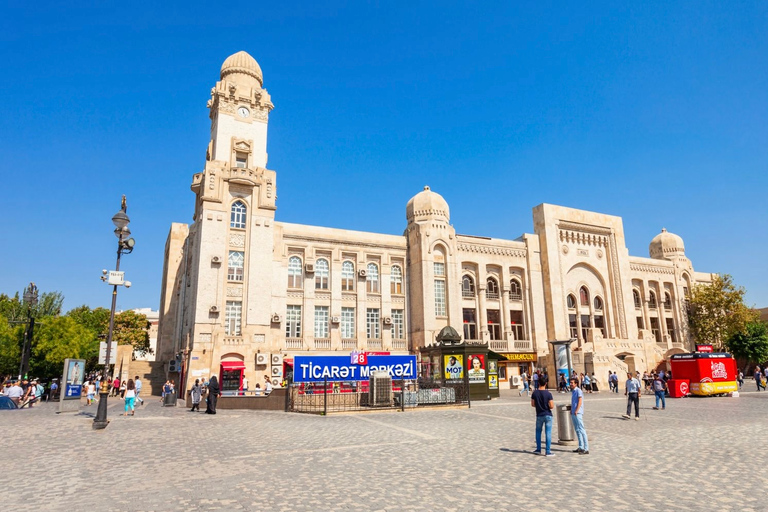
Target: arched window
347 276
667 301
584 296
237 215
492 291
598 304
294 272
372 278
651 300
396 280
571 300
467 286
636 297
322 274
515 290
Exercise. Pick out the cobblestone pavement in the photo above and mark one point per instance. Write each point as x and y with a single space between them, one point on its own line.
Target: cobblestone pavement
699 454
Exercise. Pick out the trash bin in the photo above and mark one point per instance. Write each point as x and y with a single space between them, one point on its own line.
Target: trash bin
565 432
169 400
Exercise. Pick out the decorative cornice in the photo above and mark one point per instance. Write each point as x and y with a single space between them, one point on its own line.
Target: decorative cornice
337 242
488 249
651 269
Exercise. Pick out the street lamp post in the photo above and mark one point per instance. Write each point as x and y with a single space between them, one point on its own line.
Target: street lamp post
124 246
30 299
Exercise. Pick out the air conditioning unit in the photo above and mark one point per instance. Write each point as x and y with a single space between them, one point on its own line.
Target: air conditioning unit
275 318
335 319
215 259
262 359
362 272
516 380
309 268
380 389
276 382
277 359
174 366
214 310
277 371
387 320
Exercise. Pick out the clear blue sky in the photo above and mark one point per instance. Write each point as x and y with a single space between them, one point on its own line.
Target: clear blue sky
653 111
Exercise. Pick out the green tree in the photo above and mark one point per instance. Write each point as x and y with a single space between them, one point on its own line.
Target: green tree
14 309
751 344
59 338
10 347
716 311
130 328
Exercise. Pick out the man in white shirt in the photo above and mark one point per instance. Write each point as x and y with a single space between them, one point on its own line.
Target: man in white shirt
245 384
15 392
632 391
267 385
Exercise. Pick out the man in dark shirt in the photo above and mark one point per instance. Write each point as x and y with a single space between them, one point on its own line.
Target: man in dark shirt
543 401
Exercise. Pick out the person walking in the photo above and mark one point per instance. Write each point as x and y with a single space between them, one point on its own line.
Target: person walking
632 390
586 383
130 397
577 411
562 385
197 394
213 395
615 382
138 385
535 379
759 378
660 390
526 388
244 385
593 379
740 379
544 402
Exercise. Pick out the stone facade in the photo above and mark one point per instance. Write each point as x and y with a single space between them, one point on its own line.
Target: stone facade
244 291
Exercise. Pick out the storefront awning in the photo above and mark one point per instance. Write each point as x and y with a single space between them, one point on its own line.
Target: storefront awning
232 365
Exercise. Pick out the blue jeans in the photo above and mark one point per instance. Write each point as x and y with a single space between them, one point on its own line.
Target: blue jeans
581 431
546 423
525 389
660 394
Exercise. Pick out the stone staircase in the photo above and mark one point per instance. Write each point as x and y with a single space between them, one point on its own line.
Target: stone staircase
152 374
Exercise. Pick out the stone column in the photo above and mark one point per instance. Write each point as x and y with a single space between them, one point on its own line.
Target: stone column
482 321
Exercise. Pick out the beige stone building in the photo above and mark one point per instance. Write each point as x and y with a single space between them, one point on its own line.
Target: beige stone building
243 294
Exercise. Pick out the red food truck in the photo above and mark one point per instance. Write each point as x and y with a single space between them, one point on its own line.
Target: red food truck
709 373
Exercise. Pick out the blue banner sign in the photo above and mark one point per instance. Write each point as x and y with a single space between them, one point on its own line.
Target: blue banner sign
73 390
340 368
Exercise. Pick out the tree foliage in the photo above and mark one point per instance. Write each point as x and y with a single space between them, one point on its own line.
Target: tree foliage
751 344
14 309
717 311
10 347
59 338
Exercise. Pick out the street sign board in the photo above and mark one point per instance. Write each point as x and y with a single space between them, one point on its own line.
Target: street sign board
103 352
116 278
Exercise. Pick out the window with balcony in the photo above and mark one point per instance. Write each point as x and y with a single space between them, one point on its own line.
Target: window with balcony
470 324
373 324
515 290
573 326
398 324
293 322
237 215
372 279
494 324
241 160
233 315
636 298
347 276
235 264
322 274
585 324
671 330
655 329
517 325
492 289
467 286
295 272
652 300
321 321
396 280
667 301
348 323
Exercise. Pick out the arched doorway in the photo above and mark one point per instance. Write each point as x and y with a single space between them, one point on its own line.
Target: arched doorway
231 371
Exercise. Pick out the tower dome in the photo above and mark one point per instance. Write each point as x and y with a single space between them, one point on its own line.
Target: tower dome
241 68
427 205
666 245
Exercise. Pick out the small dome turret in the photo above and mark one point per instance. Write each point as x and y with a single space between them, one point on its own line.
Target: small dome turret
666 245
427 205
242 68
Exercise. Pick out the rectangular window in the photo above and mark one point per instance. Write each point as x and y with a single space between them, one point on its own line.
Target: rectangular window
671 330
235 265
398 324
233 317
372 324
600 324
585 324
573 326
439 297
439 269
321 321
470 324
348 323
494 324
241 160
655 329
517 326
293 322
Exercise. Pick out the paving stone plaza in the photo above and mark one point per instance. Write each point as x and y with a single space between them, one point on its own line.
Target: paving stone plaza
699 454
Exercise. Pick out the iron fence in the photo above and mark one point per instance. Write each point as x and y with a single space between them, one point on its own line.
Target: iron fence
347 396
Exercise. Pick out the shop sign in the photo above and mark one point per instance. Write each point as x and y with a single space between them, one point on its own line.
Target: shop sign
454 366
518 357
340 368
703 348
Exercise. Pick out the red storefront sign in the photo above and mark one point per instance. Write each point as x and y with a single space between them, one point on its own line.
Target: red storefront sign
703 348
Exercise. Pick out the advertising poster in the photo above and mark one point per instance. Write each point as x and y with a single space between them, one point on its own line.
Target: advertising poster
562 358
72 385
476 370
493 381
454 367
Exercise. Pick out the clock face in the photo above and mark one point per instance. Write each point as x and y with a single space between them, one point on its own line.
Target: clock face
243 112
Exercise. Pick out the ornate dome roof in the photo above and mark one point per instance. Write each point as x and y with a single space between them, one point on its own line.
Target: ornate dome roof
665 245
427 205
241 63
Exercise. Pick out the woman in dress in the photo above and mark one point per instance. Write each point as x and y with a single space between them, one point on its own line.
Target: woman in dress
197 393
130 396
213 395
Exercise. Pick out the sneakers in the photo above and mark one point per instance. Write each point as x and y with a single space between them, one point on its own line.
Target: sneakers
655 408
550 454
625 416
578 450
584 452
637 418
536 452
